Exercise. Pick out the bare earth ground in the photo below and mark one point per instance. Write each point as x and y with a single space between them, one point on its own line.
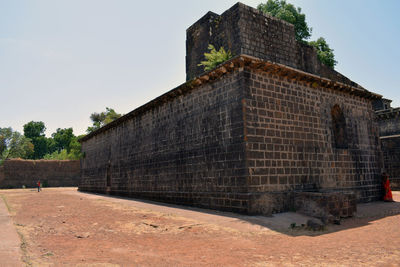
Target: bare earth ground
61 226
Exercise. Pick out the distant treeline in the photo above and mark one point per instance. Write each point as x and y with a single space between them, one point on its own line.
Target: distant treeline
62 144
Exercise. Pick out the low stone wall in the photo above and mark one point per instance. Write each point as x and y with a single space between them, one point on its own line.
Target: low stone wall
391 155
16 173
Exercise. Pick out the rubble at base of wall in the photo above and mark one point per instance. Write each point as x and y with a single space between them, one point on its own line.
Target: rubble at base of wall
327 206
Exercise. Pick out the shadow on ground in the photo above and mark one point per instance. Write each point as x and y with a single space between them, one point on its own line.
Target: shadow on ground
288 223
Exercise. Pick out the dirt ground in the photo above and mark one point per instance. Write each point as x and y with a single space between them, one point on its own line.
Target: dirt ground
60 226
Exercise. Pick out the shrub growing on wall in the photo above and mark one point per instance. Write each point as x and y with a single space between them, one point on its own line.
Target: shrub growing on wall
215 57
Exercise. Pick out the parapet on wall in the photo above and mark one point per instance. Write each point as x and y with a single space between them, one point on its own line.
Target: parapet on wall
245 30
52 173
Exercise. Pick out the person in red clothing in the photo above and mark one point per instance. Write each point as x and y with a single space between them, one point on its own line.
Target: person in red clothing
386 185
38 186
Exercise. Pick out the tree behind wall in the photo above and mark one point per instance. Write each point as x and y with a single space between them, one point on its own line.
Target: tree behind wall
101 119
62 139
14 145
34 130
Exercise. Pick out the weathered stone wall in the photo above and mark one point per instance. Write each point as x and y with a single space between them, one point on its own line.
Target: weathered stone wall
243 142
15 173
382 104
389 128
187 150
389 122
391 155
245 30
290 140
248 135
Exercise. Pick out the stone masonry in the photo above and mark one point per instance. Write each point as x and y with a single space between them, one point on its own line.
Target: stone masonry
389 131
256 135
15 173
245 30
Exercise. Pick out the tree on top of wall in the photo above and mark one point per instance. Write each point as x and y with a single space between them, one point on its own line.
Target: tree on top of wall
101 119
289 13
324 52
293 15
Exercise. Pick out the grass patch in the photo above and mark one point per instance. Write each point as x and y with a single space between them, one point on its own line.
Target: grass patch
23 246
48 254
6 203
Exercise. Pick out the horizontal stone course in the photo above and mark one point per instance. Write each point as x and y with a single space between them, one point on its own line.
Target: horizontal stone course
15 173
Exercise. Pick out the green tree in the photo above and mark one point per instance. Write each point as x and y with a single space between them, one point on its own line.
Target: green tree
287 12
14 145
34 130
324 52
72 151
215 57
62 139
76 148
101 119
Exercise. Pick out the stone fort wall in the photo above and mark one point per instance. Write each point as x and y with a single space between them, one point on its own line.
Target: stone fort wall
245 141
15 173
247 136
391 155
389 128
291 143
186 149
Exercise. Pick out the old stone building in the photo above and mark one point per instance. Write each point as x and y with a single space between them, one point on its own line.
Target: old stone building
270 130
389 131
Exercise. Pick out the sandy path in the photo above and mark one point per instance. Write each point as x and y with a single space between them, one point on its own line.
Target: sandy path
66 227
10 253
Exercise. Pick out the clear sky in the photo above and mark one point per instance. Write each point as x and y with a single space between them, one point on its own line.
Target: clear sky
62 60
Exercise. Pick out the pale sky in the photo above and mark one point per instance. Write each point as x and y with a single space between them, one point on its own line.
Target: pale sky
62 60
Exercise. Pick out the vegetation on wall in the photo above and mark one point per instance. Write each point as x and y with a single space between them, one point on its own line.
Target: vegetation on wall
287 12
324 52
215 57
102 118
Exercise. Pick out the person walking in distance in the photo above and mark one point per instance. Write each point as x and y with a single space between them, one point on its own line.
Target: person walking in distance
38 186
